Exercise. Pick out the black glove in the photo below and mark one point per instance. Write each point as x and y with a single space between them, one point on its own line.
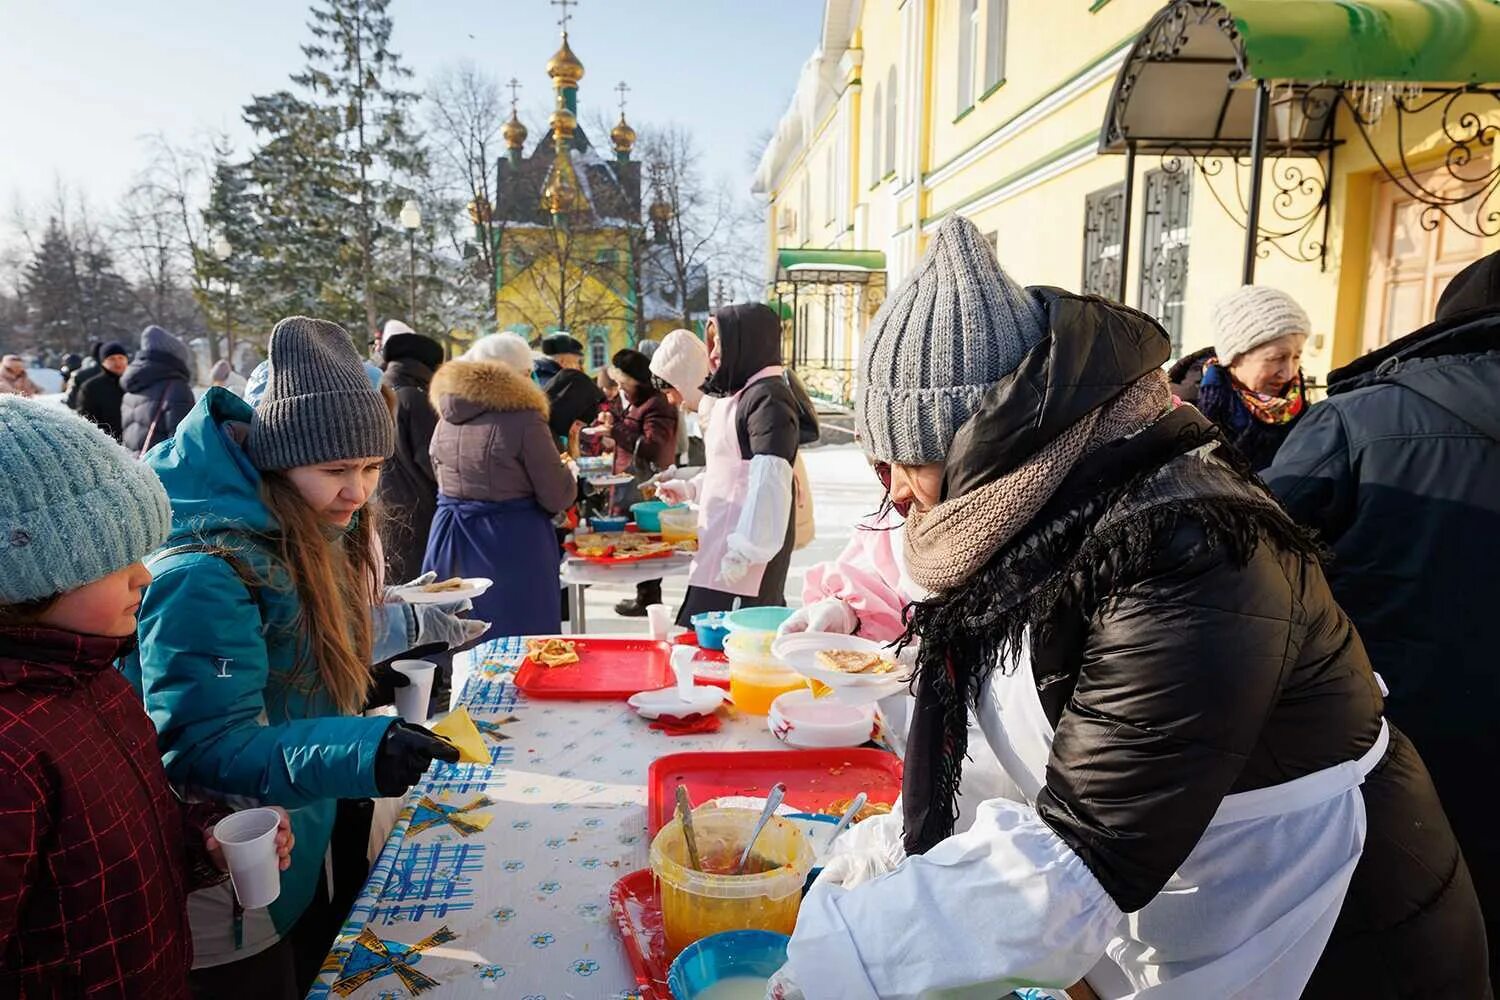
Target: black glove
405 753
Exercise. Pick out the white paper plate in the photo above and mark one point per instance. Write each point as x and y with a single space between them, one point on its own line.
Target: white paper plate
472 588
619 480
800 650
666 701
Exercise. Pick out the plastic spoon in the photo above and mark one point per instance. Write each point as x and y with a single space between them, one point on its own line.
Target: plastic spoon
685 810
773 802
855 806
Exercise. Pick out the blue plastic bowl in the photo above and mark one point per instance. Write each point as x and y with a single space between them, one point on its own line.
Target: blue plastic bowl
608 523
767 619
647 514
711 629
723 956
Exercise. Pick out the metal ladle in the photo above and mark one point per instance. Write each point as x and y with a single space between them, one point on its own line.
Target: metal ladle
685 812
773 802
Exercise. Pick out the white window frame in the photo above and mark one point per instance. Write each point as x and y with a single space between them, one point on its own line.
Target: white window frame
997 16
968 53
877 135
890 123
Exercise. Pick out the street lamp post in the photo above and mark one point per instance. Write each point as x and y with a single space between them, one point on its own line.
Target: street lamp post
222 251
411 221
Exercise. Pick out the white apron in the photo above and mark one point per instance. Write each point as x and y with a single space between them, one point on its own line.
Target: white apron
722 496
1250 910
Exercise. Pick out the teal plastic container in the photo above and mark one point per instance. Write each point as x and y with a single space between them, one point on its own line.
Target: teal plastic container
766 619
647 514
733 954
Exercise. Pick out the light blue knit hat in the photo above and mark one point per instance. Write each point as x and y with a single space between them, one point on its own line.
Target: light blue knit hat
74 506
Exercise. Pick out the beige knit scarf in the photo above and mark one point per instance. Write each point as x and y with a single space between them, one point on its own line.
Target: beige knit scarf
949 543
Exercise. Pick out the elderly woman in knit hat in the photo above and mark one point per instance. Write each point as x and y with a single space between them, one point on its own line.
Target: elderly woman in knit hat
257 634
1152 652
1250 382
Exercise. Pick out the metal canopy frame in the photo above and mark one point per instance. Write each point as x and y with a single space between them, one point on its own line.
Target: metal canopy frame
1189 92
840 292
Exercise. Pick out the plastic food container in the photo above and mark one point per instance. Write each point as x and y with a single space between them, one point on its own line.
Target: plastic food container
718 966
800 720
647 514
678 524
753 686
608 523
760 622
711 630
698 904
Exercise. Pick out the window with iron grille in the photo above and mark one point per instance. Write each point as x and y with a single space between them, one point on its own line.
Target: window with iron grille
1164 248
1103 239
598 347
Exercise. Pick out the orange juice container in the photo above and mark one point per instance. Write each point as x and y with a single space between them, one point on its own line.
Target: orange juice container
696 904
756 678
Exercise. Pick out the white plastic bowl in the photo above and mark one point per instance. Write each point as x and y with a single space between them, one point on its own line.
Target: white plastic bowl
800 720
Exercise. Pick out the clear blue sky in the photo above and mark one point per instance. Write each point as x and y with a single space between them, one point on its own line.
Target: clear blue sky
86 79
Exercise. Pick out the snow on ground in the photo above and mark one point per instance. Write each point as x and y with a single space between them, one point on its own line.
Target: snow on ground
844 490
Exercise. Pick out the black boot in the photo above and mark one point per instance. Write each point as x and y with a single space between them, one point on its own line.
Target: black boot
647 593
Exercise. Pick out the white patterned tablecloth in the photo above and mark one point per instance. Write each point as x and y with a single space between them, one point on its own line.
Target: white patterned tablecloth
495 879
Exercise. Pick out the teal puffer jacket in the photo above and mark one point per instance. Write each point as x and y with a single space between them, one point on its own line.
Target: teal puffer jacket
227 678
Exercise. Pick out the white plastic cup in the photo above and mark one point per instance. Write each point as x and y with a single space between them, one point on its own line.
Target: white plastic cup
248 838
659 616
411 701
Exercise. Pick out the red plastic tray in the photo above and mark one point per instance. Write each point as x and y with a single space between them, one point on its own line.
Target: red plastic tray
813 778
637 909
607 669
612 560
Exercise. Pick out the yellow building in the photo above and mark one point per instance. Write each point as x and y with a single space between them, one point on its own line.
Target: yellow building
1110 146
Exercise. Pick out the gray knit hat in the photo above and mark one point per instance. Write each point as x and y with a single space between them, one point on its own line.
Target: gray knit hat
954 327
319 405
74 506
1254 315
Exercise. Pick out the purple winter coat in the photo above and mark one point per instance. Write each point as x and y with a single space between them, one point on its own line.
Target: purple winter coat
492 442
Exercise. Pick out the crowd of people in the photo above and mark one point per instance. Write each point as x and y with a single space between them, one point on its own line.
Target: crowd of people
1199 684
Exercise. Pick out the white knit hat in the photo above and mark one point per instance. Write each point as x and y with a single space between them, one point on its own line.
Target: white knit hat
682 362
1254 315
508 349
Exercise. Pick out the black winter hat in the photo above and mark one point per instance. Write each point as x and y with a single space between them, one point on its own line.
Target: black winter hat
634 364
560 343
414 346
112 348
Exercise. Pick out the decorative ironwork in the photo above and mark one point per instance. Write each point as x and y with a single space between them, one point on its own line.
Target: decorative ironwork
1164 247
1469 165
844 300
1163 41
1294 208
1103 240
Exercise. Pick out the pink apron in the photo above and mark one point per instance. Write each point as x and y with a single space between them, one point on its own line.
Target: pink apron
722 496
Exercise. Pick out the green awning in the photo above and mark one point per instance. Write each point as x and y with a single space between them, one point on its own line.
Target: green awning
856 260
1418 41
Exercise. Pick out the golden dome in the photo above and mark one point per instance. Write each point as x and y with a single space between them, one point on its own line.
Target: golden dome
563 123
564 66
561 194
514 132
660 211
623 135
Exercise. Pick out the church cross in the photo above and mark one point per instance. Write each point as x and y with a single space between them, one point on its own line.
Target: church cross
622 89
564 4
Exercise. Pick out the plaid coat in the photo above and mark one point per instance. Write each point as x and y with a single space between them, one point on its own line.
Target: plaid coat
93 872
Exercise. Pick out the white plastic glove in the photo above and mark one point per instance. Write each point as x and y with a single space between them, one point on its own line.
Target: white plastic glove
394 594
674 491
733 567
828 615
865 852
781 987
440 623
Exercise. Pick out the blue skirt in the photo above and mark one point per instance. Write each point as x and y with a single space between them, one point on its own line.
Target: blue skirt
512 543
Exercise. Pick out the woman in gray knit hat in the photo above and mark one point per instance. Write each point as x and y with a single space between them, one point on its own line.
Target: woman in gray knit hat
1211 798
256 637
1250 382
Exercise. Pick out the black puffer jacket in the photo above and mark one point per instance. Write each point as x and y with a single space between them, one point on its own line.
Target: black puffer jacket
1185 647
101 400
158 391
408 485
1399 470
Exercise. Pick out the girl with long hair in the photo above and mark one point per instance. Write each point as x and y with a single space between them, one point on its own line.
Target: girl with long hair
256 637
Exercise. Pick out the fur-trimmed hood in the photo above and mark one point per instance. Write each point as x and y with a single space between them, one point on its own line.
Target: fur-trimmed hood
463 390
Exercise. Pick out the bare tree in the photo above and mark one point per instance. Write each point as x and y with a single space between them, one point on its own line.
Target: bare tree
570 277
465 116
